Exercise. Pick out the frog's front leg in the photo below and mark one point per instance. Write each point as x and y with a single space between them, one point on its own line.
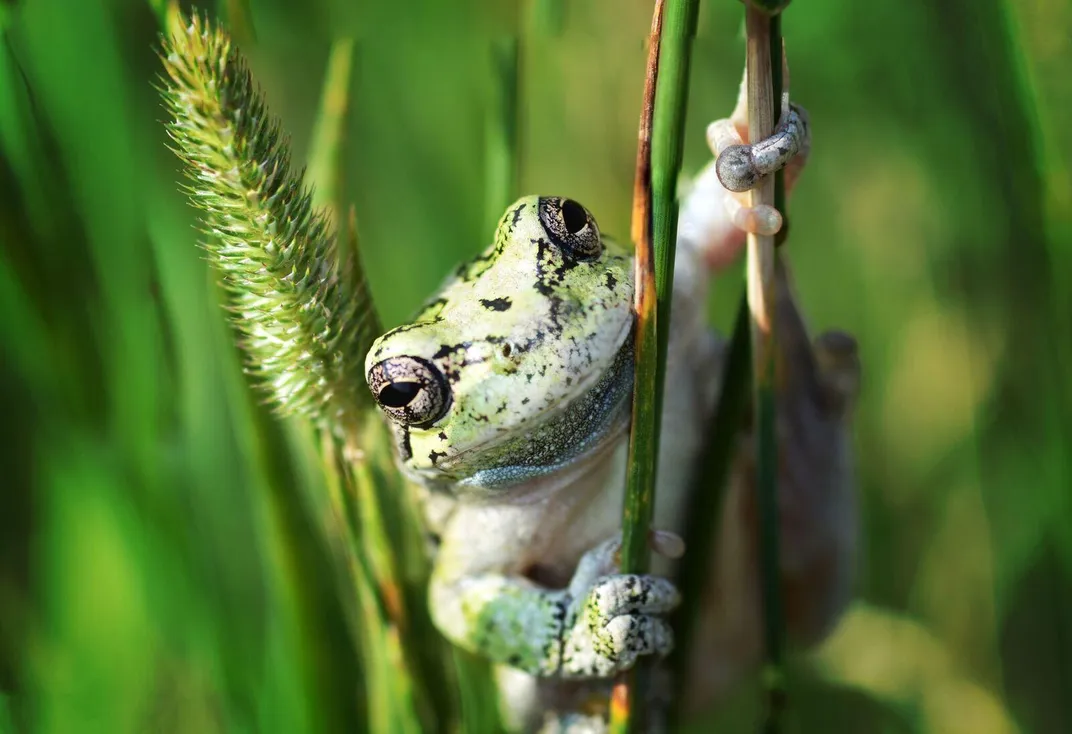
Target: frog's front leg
616 617
594 628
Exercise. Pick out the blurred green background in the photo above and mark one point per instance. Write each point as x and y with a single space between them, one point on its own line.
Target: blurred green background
151 578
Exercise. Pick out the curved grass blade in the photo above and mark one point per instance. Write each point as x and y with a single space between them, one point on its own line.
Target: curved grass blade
654 231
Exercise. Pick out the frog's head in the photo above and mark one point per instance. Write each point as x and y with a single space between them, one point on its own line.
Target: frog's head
521 362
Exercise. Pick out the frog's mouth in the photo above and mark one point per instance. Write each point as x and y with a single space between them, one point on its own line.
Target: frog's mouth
583 425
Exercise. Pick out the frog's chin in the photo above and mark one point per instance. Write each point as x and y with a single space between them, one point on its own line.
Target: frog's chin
585 426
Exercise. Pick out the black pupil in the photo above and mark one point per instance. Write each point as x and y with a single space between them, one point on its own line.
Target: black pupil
399 394
573 216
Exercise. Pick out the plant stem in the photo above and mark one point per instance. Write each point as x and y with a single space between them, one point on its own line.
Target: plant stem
763 56
712 474
654 232
626 709
643 438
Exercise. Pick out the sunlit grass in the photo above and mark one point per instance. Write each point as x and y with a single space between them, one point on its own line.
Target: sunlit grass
174 558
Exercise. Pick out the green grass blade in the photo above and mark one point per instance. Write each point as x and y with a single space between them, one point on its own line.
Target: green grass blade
327 151
672 36
501 130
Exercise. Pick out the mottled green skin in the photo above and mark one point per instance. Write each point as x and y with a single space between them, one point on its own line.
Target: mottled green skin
532 339
520 333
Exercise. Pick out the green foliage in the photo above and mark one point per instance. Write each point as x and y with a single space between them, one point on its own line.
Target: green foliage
173 558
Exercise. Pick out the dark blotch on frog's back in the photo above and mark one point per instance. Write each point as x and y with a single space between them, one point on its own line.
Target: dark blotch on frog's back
470 271
497 304
516 216
431 311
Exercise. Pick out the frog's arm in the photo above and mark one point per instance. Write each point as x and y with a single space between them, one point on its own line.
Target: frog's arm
506 619
594 628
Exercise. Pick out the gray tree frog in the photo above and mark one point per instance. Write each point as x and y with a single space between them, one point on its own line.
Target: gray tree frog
509 398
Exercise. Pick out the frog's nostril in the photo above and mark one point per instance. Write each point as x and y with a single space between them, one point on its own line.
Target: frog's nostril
398 394
573 216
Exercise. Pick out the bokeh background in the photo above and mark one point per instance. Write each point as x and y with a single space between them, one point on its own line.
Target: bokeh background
151 578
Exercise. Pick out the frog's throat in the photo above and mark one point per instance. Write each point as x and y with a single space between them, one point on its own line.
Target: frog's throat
587 424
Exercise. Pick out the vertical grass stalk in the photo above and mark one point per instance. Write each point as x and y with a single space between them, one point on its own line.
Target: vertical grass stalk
743 362
238 16
654 231
392 623
501 130
626 707
763 56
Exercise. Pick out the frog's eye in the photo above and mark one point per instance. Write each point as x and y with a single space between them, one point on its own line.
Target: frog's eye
571 227
410 390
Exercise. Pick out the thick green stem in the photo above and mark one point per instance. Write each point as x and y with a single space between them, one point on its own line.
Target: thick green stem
667 138
764 59
655 231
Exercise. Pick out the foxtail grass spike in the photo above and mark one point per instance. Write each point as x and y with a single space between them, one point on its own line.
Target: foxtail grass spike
299 311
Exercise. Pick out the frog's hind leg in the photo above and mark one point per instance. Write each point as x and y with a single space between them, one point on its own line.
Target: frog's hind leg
741 163
716 213
730 134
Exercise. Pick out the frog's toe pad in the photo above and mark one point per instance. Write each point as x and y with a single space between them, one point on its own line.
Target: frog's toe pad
761 219
616 647
612 596
617 623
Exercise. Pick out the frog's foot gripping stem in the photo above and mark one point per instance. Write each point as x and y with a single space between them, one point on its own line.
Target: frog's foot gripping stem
740 165
615 618
593 629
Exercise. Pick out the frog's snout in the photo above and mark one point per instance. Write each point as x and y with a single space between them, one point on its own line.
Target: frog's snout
410 390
